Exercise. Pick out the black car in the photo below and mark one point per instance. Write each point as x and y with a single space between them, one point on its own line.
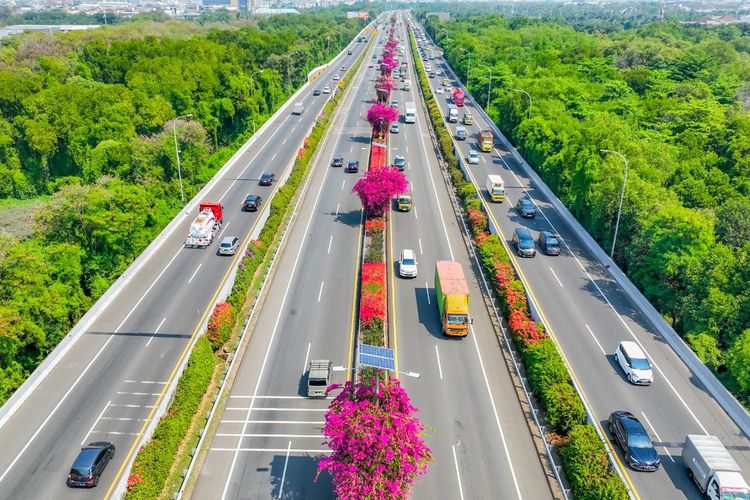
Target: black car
252 203
352 166
548 243
90 463
338 161
526 208
634 441
348 52
523 242
316 92
267 178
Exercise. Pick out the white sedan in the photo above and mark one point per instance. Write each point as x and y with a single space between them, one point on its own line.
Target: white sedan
439 90
473 157
326 90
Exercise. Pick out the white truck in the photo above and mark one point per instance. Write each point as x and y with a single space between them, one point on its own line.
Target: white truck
410 113
496 187
452 113
298 108
318 377
713 469
206 225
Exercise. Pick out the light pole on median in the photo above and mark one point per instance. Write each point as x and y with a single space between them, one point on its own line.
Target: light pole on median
489 87
177 154
622 196
527 95
468 67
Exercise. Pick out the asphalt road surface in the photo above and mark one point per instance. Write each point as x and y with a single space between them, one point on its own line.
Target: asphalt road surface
588 315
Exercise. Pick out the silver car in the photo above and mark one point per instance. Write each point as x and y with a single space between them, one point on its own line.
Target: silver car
229 245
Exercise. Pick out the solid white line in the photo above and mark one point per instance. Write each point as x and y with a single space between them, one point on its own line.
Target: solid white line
120 433
427 292
268 397
272 450
420 246
337 208
137 393
329 244
555 275
294 422
494 409
440 368
657 436
130 406
277 409
196 272
57 406
307 356
283 476
95 422
273 335
230 434
126 419
152 338
458 474
595 340
320 292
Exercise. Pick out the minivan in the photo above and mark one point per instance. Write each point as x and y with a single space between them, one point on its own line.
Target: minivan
634 363
229 245
407 264
90 463
523 242
461 133
548 243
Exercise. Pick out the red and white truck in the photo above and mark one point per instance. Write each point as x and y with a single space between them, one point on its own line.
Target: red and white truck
206 225
458 97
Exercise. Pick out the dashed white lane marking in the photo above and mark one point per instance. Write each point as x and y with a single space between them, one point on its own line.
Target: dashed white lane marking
283 476
555 275
196 272
154 334
329 244
440 368
595 339
307 356
320 292
458 474
95 422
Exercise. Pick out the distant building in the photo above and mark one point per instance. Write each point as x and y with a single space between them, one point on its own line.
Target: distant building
268 11
360 14
48 28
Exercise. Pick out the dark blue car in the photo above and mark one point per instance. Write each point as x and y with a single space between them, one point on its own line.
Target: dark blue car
634 441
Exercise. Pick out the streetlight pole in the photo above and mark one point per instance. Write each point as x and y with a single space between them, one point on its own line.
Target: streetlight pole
468 67
177 154
622 196
489 87
527 95
251 78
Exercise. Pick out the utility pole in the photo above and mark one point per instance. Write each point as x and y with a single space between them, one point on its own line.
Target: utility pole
177 154
622 196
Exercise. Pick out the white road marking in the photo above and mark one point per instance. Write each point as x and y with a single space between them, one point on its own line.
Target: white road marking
224 228
351 148
152 338
458 474
415 213
595 340
555 275
420 245
305 436
342 184
284 141
320 292
277 409
95 422
125 419
196 272
283 476
494 409
329 244
440 368
307 356
407 148
293 422
268 397
137 393
657 436
338 205
427 292
272 450
274 156
120 433
113 405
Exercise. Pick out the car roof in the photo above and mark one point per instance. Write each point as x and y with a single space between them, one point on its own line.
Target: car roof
522 232
407 253
548 235
86 457
632 349
473 152
353 161
399 157
252 197
229 239
632 424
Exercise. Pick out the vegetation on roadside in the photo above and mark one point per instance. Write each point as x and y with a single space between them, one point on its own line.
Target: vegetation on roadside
149 473
87 124
674 100
547 374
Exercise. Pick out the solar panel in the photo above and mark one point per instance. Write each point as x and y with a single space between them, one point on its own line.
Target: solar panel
378 357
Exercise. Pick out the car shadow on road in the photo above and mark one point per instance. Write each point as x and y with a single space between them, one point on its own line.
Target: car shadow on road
299 475
352 218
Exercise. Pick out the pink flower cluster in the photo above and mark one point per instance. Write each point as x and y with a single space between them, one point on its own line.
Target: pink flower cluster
380 115
377 446
376 188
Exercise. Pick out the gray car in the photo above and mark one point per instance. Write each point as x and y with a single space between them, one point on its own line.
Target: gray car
229 245
523 242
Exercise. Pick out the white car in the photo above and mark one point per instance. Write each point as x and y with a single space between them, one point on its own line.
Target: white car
439 90
394 128
229 245
634 363
407 264
336 76
473 158
326 90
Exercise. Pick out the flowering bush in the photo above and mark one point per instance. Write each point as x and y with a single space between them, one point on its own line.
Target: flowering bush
375 225
372 297
377 187
478 221
380 115
220 325
377 446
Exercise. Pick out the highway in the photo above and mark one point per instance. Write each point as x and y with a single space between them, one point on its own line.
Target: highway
588 315
268 440
109 383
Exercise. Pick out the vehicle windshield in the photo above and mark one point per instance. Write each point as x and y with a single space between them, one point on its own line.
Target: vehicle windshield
639 441
457 319
317 382
498 190
408 262
734 495
226 245
640 363
526 243
80 471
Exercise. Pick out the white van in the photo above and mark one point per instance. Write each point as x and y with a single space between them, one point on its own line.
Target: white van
298 108
634 363
452 114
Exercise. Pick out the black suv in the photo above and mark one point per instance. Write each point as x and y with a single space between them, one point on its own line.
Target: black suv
548 243
338 161
316 92
525 207
90 463
523 242
267 178
352 166
252 203
635 442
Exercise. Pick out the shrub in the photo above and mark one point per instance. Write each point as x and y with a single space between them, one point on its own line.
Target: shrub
587 466
563 407
220 325
372 333
544 366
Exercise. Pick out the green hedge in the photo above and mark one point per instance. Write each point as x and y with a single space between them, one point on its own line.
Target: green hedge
585 459
152 465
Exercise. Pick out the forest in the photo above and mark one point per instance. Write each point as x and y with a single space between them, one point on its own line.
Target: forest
88 171
674 99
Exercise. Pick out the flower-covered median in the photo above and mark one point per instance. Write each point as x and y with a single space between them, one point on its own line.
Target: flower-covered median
585 459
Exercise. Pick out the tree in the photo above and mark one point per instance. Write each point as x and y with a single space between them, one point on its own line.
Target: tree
380 116
378 450
377 187
738 359
733 222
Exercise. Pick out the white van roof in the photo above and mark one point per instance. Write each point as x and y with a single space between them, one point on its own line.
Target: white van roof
632 349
